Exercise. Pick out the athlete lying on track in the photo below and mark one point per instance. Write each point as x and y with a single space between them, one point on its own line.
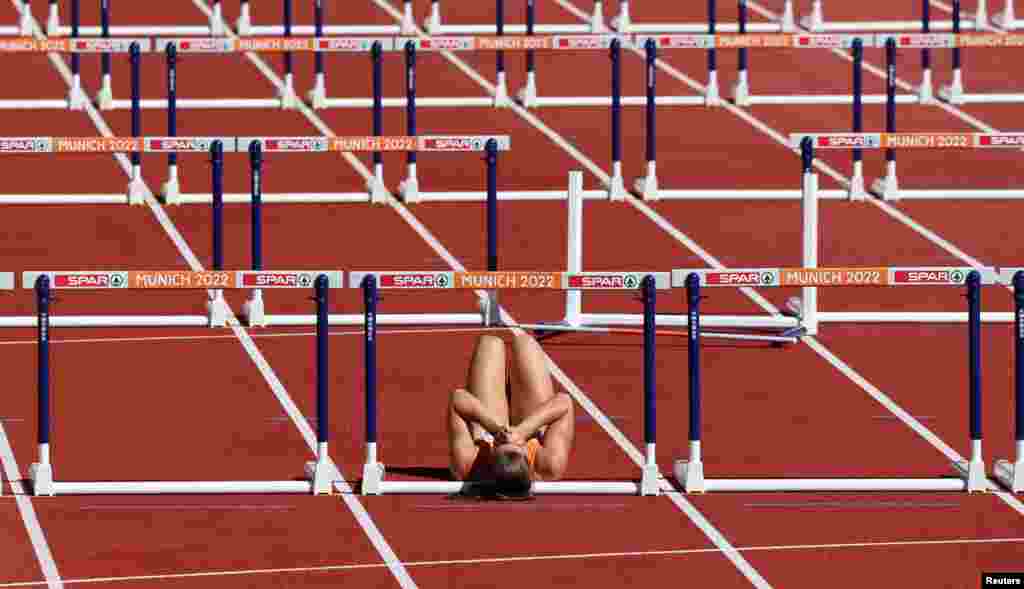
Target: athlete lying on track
509 429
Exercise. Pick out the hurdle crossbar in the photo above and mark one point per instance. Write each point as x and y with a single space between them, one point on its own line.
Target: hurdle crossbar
369 282
970 474
320 473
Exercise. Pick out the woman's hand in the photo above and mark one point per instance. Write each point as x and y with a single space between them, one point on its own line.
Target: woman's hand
511 435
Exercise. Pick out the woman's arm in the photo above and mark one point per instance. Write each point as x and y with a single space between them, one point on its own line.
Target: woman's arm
469 408
548 413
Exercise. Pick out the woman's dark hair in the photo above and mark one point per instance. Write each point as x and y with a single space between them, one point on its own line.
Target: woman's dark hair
512 480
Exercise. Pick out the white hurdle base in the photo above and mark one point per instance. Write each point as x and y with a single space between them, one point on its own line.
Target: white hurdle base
960 193
425 102
910 317
539 487
198 103
136 31
826 485
309 30
276 197
383 319
696 100
34 104
510 29
63 199
883 25
478 196
110 321
1010 474
746 194
827 99
172 487
746 321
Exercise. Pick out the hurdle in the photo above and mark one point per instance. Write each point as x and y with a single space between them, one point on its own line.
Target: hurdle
816 21
76 98
54 28
435 27
319 474
624 22
954 92
970 475
374 482
888 187
1011 473
244 24
575 319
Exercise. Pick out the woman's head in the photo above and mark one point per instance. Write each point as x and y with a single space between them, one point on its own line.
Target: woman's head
512 476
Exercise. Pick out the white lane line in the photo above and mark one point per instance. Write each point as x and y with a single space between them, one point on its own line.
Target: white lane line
360 513
28 514
582 556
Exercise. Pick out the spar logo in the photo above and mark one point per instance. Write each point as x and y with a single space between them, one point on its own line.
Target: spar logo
865 141
439 43
1016 140
625 281
295 144
24 145
279 280
734 278
98 280
415 281
455 143
953 276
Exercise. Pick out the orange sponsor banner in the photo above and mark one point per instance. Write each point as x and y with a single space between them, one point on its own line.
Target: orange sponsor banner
181 279
96 144
834 276
372 143
731 40
509 280
32 45
276 44
518 43
990 40
927 140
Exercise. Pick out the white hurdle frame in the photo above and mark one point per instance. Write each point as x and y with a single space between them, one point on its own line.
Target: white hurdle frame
575 317
815 22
